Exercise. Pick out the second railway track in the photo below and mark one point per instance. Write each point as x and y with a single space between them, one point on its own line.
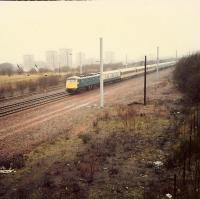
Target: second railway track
32 103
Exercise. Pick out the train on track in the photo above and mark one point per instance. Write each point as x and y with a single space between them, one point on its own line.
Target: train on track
75 84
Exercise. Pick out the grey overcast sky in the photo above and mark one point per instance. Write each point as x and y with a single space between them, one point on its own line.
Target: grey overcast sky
134 27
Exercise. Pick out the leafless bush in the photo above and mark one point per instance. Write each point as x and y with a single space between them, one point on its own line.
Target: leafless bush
86 137
88 166
9 90
43 82
21 86
32 86
2 92
187 76
106 115
53 80
95 123
126 115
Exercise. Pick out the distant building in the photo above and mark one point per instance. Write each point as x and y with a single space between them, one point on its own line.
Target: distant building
69 58
91 61
80 58
109 57
63 57
28 61
41 64
52 59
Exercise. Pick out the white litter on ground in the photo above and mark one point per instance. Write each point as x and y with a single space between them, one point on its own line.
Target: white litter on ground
158 163
169 195
6 171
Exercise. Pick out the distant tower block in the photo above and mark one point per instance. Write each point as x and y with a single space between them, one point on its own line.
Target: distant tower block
28 61
69 57
63 57
52 59
109 57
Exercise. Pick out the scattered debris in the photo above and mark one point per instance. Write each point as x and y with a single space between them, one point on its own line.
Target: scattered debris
135 103
169 195
3 170
158 164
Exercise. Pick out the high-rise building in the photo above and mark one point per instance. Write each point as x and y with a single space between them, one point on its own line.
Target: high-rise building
80 58
52 59
63 56
109 57
28 61
41 64
69 57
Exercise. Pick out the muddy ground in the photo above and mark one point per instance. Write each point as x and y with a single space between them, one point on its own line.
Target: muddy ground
73 149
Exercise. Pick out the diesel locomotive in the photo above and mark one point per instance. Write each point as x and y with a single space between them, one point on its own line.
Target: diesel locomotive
75 84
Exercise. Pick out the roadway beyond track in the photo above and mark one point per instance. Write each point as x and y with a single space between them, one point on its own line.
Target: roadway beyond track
22 131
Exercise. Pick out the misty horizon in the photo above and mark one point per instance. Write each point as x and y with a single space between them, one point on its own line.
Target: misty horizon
132 28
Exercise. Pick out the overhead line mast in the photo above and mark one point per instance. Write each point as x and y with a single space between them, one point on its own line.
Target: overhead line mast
101 74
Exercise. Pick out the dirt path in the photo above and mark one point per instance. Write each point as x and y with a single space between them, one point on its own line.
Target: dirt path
22 131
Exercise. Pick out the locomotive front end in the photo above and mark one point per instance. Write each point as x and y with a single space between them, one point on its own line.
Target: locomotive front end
72 84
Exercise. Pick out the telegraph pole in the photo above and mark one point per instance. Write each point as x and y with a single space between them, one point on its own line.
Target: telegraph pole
176 56
126 61
101 73
145 80
81 66
59 69
157 74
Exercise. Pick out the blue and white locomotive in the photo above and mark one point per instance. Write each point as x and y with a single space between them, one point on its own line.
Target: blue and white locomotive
90 81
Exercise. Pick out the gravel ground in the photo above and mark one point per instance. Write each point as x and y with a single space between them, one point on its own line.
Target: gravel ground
22 132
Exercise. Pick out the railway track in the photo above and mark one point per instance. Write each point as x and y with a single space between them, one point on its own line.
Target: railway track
28 104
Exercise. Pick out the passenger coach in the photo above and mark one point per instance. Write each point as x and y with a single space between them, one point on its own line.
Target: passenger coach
86 82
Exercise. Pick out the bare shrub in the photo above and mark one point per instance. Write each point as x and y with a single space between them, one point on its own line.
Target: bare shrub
43 82
95 123
21 86
127 115
17 161
85 137
187 76
88 166
32 86
2 92
9 90
106 115
53 80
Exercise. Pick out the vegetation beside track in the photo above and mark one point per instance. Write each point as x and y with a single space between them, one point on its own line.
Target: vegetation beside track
185 158
187 77
113 157
30 85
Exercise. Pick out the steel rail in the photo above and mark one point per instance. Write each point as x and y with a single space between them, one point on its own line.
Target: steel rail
31 104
